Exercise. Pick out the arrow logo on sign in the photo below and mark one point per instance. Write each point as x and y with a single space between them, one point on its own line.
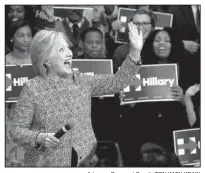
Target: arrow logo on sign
138 86
136 82
191 145
9 82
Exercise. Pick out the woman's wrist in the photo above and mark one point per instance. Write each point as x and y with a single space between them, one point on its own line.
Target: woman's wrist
134 55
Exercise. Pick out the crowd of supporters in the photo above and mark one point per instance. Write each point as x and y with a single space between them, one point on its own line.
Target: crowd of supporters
142 131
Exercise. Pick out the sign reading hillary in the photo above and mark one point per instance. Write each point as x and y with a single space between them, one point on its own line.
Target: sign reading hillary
16 76
152 83
125 15
187 145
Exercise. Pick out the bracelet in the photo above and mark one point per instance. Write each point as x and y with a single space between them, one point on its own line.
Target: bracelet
138 62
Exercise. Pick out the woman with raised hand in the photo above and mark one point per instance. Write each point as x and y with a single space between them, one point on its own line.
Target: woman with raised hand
58 94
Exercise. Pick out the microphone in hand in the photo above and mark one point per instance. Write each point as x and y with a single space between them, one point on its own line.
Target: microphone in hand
65 128
47 140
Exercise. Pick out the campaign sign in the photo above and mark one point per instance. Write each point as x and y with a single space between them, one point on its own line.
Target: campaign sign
125 15
152 84
187 145
93 67
16 75
63 11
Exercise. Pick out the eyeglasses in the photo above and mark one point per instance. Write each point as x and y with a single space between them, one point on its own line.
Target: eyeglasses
144 24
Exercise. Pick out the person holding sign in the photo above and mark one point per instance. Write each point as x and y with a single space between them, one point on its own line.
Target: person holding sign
164 47
58 94
157 120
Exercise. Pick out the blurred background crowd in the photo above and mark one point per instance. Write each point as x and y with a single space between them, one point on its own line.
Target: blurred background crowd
142 131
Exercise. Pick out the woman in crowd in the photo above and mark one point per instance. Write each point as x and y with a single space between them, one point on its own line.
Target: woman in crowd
155 121
20 38
14 13
58 94
145 21
164 47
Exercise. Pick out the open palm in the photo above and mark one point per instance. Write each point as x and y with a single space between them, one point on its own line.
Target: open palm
135 37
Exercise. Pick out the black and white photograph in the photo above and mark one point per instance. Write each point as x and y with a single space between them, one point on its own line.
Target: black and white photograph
102 86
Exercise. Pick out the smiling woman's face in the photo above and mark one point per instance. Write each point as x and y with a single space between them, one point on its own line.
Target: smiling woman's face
60 58
16 12
162 45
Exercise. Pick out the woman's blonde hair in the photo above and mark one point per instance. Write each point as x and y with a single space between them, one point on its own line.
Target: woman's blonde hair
40 48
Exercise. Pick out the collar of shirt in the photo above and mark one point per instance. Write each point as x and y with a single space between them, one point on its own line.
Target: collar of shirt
194 10
70 24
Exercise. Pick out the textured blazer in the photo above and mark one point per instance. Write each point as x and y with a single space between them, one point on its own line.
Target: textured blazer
46 105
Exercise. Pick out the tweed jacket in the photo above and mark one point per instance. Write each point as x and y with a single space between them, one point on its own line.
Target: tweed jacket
46 105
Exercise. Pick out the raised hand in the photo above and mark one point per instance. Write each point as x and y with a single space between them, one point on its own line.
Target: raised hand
135 37
192 90
98 12
49 11
191 46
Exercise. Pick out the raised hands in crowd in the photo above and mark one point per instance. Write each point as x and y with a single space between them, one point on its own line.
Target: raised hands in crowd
191 46
190 107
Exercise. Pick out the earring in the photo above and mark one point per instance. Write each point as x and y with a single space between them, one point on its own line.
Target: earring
11 40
